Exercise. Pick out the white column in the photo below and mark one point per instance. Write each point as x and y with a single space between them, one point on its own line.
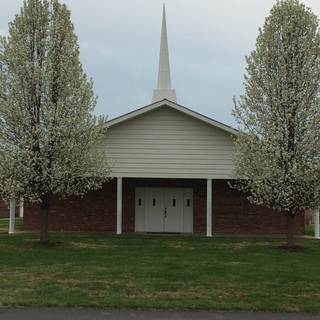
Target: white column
119 206
316 224
21 207
12 214
209 208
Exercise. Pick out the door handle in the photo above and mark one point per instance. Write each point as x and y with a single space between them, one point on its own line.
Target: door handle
165 212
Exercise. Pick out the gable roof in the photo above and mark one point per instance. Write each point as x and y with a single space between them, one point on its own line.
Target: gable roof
172 105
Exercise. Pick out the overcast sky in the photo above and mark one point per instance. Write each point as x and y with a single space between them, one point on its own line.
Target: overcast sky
208 41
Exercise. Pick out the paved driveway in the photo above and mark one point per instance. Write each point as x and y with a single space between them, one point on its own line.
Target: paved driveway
17 313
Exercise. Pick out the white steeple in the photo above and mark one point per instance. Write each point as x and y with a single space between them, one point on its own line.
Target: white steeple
164 90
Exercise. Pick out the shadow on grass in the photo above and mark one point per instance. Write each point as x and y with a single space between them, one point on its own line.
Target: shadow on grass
293 248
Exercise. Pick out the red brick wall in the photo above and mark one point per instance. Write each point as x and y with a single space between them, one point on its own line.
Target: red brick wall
4 209
233 214
96 211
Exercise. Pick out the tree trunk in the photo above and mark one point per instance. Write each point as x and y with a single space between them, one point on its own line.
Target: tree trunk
43 224
290 241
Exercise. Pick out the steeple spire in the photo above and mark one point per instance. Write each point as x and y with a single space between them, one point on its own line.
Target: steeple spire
164 90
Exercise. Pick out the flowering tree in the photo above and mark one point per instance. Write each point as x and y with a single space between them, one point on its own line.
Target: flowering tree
48 135
278 146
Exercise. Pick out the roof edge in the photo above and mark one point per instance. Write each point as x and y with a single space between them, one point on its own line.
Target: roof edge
162 103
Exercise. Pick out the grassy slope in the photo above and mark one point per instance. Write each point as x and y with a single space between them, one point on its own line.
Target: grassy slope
139 271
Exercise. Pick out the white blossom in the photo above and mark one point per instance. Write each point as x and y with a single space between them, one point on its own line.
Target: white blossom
277 150
48 135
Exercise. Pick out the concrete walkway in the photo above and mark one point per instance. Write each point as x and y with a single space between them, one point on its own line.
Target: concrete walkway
55 313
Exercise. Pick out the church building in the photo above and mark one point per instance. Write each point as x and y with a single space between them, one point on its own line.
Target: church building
171 173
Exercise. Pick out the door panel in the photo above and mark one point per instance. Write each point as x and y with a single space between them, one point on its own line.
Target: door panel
188 210
140 210
154 210
173 221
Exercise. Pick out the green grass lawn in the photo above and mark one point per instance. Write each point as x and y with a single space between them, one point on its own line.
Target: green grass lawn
171 272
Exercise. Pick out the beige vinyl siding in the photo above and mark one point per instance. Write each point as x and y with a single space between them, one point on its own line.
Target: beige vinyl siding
165 143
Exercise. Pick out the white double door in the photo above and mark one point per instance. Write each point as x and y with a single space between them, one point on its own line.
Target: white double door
164 210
